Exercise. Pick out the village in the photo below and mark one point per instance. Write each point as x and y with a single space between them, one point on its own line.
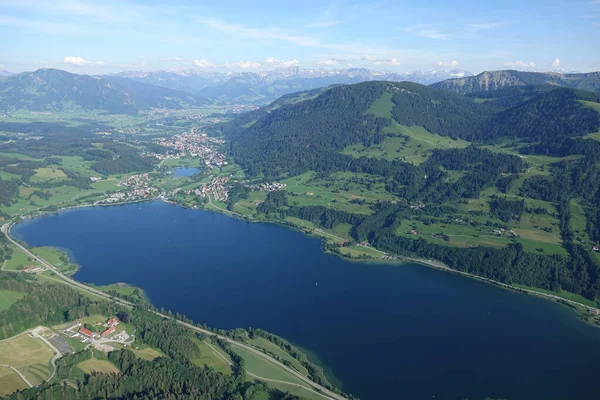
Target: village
268 187
139 189
193 144
217 188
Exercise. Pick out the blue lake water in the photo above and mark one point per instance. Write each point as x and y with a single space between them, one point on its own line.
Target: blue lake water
385 331
182 171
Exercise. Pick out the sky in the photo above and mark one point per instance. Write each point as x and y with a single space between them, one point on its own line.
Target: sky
96 37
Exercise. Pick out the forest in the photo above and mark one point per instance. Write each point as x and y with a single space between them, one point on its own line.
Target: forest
170 377
518 122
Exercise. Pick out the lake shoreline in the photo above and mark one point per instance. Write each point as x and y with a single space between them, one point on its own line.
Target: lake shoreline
583 309
262 259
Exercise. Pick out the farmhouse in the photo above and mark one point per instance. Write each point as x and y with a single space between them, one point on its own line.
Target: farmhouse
108 331
86 332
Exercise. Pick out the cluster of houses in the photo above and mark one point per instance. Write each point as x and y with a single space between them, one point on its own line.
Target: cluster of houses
193 144
139 188
268 187
596 249
77 330
502 231
217 188
417 206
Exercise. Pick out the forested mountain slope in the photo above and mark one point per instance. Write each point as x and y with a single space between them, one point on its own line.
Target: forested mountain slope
508 190
56 90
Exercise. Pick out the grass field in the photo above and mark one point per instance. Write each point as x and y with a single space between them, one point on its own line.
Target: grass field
263 368
263 343
102 366
19 260
55 257
341 191
48 174
211 358
121 288
9 297
145 352
10 381
411 144
28 355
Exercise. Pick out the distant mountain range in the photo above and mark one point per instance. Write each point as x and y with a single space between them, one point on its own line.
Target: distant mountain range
266 86
130 92
4 72
56 90
494 80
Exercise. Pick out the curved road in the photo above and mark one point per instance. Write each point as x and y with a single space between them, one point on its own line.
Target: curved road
6 230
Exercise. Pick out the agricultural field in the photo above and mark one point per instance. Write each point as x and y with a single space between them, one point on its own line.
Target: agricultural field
411 144
10 381
341 191
211 356
271 347
257 368
102 366
9 297
48 174
29 356
57 258
19 260
143 351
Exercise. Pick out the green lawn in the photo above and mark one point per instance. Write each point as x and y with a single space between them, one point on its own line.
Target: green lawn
8 298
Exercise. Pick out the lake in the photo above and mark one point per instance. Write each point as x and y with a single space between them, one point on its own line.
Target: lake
385 331
182 171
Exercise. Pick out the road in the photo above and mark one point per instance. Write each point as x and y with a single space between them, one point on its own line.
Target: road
57 355
6 230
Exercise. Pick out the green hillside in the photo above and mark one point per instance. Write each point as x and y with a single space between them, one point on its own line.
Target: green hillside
414 170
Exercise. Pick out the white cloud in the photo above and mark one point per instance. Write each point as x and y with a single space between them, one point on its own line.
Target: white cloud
202 63
2 66
178 59
272 61
452 63
556 62
375 61
427 31
519 64
75 61
243 65
331 61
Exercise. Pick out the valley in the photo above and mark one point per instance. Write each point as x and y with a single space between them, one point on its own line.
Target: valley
503 190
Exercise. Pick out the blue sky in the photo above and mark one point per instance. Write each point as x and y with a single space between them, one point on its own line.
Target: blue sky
109 36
